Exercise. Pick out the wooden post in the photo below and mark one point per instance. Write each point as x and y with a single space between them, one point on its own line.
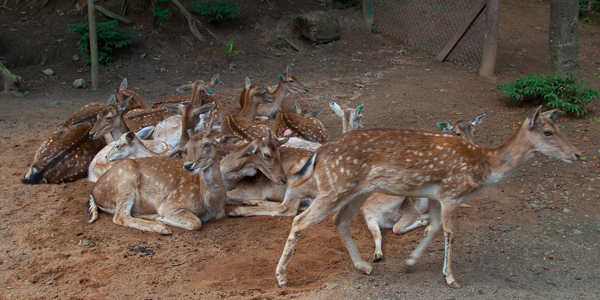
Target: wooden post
367 10
490 44
93 43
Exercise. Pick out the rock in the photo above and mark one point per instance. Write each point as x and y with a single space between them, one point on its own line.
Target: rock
75 57
317 27
79 83
48 72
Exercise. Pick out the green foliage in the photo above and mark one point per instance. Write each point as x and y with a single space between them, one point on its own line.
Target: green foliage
344 4
562 93
583 6
108 37
162 13
217 9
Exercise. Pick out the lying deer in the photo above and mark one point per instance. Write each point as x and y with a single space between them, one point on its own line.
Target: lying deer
442 167
149 193
188 99
284 200
64 157
288 83
304 126
404 214
128 145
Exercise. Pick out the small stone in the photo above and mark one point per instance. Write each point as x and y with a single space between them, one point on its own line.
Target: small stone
75 57
143 55
79 83
48 72
567 211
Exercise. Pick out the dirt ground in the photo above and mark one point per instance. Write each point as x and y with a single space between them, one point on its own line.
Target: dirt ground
533 236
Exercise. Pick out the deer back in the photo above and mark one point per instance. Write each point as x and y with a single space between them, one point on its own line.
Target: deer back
306 127
64 157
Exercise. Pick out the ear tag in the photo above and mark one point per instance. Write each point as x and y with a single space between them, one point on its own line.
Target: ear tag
360 108
210 92
282 77
124 109
442 126
553 119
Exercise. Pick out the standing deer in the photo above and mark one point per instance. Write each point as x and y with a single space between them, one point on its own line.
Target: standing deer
128 145
288 83
149 193
64 157
404 214
438 166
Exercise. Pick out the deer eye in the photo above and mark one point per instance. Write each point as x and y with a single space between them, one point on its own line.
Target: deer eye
548 133
290 81
206 145
117 147
458 134
267 156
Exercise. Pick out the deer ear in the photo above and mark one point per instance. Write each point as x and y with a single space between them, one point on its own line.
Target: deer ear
173 107
179 152
445 126
279 142
123 85
336 109
297 107
190 133
533 119
112 100
478 120
227 139
552 114
203 109
214 79
129 136
123 105
248 83
145 132
250 149
288 69
313 114
184 88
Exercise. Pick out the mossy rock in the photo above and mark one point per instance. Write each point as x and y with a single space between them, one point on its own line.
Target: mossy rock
317 27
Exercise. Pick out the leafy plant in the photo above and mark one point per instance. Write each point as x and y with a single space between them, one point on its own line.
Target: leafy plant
217 9
230 50
109 38
162 13
563 93
584 6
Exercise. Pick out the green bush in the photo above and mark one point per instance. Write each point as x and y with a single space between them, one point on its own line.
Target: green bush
217 10
583 6
562 93
108 37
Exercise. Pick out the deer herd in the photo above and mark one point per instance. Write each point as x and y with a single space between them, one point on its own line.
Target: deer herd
180 162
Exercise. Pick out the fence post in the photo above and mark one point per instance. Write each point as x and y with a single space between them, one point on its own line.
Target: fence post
490 43
367 10
93 42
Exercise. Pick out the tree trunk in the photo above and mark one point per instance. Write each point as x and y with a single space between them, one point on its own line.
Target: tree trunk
11 81
563 44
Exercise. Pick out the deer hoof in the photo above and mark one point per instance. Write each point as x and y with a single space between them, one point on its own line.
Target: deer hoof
166 231
377 257
451 282
365 268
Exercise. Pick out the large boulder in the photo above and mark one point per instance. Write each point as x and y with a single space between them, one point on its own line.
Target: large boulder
318 27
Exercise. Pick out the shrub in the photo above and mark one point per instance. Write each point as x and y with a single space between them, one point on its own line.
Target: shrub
563 93
108 37
217 10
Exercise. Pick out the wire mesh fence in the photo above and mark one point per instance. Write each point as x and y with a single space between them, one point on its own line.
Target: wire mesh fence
429 25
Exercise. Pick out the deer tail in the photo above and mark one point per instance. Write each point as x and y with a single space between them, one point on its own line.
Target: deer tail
305 173
93 210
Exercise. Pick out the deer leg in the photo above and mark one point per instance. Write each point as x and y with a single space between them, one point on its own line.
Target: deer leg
318 211
373 226
410 219
123 216
449 216
181 218
342 220
434 227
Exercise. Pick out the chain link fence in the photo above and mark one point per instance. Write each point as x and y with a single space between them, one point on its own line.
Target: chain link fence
429 25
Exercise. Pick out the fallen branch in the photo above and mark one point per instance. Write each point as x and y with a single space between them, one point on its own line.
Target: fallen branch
190 20
11 81
112 15
291 44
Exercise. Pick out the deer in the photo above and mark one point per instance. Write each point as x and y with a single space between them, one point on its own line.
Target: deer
241 124
173 129
286 201
439 166
136 101
187 88
404 214
288 83
306 127
128 145
149 193
64 156
110 120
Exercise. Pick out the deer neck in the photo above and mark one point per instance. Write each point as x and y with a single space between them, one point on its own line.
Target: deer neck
281 93
249 110
141 150
510 156
119 129
212 188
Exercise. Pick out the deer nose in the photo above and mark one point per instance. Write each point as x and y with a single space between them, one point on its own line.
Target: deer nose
306 90
92 134
188 165
283 180
577 156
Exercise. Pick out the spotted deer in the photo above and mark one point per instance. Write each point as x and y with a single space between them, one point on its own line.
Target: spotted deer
438 166
110 120
173 130
286 201
150 193
306 127
64 157
242 124
288 83
135 100
128 145
404 214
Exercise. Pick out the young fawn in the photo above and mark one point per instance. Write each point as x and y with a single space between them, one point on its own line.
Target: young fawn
438 166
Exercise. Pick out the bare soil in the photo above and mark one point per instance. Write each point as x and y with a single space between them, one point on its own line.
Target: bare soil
533 236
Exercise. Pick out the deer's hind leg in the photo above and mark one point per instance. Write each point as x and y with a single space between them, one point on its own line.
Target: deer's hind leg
342 220
181 218
123 215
